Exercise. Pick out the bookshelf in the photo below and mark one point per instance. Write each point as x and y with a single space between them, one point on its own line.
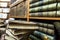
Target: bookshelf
21 4
27 13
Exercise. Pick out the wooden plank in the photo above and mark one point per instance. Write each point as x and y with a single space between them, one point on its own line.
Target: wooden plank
28 1
16 17
46 18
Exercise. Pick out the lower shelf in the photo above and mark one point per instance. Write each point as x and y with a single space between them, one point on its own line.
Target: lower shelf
45 18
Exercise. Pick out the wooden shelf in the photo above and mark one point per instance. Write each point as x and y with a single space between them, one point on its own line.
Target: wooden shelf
17 17
45 18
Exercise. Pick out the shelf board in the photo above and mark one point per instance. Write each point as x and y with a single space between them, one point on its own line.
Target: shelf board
45 18
17 17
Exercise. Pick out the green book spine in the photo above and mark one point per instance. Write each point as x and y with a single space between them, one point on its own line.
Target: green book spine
43 36
33 37
44 2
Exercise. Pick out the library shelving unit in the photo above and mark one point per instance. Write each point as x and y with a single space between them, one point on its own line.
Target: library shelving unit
20 9
27 3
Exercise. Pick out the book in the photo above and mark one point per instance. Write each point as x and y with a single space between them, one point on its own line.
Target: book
33 37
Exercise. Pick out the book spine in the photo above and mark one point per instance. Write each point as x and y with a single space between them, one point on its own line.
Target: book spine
43 36
33 37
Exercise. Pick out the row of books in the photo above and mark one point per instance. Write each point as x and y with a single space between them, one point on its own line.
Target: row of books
40 36
48 7
36 3
46 14
45 8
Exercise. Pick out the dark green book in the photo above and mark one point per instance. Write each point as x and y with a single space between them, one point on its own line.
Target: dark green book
33 37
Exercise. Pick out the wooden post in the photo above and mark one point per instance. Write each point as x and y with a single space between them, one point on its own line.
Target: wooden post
27 10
